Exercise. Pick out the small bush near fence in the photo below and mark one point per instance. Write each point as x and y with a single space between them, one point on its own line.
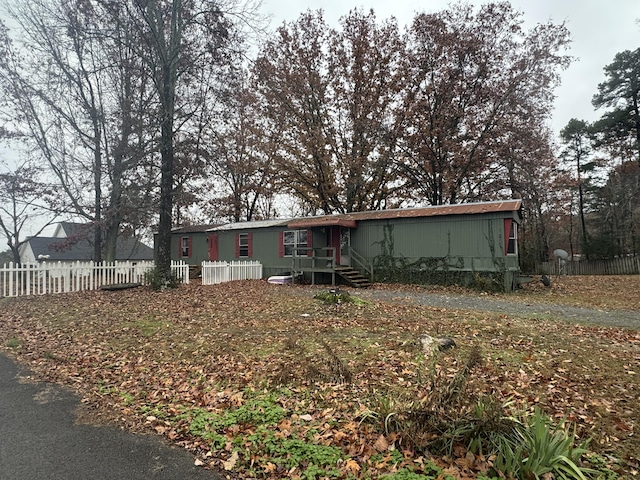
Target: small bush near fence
157 281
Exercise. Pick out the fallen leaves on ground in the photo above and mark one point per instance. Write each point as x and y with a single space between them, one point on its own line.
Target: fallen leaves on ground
250 377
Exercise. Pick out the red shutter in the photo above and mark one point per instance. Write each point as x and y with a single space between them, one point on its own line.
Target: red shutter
237 245
250 242
213 248
310 242
190 246
281 244
507 233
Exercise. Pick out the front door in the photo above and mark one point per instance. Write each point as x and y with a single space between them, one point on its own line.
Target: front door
213 248
345 246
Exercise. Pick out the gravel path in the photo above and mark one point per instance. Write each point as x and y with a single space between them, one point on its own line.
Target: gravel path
613 318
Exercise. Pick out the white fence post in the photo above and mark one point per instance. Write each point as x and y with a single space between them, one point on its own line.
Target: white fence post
181 270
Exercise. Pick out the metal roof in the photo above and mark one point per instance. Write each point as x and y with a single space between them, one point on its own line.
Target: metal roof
350 219
248 225
324 221
194 228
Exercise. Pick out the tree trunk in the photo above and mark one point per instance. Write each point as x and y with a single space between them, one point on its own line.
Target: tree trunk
169 53
166 191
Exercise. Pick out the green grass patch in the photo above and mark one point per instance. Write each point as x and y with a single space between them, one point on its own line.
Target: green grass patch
150 326
14 343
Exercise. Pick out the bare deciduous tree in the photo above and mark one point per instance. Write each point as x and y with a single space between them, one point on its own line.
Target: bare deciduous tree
79 112
22 200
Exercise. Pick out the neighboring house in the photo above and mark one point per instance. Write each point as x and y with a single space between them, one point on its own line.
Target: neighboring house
73 242
71 229
467 244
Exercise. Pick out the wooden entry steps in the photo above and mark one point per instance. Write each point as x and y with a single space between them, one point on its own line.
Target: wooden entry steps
354 277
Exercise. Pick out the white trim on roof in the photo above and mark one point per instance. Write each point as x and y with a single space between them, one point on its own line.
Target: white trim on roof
248 225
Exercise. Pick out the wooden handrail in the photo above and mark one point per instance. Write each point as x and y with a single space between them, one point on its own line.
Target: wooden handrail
368 267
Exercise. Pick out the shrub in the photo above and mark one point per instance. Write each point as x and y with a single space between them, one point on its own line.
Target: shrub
523 445
542 449
158 281
334 297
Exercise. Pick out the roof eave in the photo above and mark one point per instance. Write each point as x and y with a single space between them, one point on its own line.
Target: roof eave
323 222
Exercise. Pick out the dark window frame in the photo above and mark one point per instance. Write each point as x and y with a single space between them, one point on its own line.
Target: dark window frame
512 241
294 241
185 247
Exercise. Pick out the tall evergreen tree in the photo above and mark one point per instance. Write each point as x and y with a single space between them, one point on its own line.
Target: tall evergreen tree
577 152
619 127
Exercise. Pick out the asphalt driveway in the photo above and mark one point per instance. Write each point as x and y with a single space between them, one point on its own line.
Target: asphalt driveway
39 439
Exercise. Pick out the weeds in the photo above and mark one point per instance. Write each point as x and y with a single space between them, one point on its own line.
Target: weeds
522 446
337 297
326 368
157 281
14 343
431 472
442 397
249 430
340 373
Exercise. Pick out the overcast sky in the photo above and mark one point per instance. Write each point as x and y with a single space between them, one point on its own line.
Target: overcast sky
599 29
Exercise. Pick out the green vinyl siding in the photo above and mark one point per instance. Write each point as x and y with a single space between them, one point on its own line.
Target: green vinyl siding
265 248
199 247
442 247
477 237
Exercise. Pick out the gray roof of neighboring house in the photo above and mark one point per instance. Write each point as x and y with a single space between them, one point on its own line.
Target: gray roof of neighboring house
59 249
76 228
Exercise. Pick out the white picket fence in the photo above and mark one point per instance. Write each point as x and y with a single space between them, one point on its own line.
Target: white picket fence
219 272
62 277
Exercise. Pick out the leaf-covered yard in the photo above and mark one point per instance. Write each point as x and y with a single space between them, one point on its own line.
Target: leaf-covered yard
262 380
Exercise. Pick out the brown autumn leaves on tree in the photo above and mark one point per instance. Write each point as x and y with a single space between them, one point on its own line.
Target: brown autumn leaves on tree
335 95
473 79
375 117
